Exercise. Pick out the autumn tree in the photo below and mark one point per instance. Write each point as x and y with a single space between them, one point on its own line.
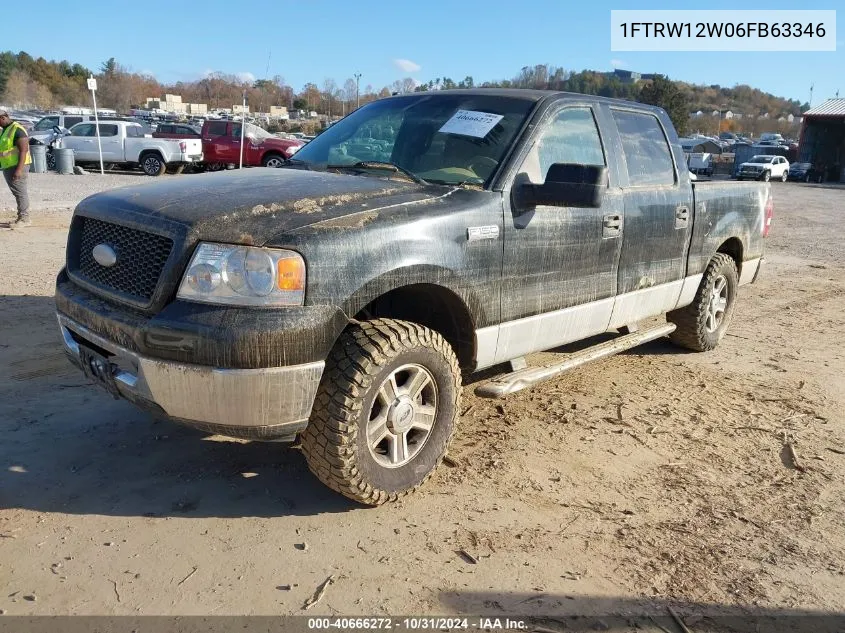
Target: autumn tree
665 94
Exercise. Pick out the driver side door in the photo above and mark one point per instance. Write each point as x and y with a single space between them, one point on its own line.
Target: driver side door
560 263
83 142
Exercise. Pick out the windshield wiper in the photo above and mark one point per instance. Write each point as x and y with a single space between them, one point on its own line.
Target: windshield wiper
460 183
377 164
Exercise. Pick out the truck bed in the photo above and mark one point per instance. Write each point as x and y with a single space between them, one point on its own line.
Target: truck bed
726 208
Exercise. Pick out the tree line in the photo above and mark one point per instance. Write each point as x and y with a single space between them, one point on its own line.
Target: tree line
36 82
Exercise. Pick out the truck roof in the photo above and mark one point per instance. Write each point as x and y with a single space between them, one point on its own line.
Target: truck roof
526 94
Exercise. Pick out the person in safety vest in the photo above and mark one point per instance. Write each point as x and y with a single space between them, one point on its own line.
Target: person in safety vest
14 161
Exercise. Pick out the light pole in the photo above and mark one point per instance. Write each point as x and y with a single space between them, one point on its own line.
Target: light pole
357 90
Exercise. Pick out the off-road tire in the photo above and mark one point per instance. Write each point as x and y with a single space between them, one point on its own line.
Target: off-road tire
335 441
691 321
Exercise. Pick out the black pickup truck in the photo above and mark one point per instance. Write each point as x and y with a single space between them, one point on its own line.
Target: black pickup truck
341 298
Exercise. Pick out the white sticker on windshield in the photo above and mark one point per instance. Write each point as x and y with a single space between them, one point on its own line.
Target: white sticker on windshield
471 123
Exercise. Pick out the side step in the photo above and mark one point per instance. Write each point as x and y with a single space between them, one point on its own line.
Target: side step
524 378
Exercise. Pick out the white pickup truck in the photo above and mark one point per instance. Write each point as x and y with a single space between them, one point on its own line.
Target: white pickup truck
124 143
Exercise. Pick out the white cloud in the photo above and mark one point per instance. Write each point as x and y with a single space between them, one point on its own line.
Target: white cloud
245 77
618 63
407 66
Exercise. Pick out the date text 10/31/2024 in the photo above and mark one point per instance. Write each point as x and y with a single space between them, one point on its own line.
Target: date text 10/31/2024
417 623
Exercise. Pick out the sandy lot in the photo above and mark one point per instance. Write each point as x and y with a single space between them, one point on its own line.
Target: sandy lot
690 499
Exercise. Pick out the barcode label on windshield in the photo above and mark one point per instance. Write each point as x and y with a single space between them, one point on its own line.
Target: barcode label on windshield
471 123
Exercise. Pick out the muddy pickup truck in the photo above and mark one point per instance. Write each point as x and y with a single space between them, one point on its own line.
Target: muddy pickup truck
341 299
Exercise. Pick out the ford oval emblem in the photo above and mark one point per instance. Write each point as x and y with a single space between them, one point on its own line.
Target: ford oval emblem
104 255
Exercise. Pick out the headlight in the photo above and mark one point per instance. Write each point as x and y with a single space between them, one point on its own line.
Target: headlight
293 150
244 275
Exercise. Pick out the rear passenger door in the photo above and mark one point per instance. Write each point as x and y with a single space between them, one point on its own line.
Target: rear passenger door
658 218
215 143
111 142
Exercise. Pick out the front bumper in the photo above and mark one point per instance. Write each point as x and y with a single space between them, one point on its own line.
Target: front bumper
269 403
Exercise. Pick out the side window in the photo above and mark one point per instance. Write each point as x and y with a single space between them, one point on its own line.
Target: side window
134 131
70 121
571 137
83 130
165 129
108 130
217 128
646 149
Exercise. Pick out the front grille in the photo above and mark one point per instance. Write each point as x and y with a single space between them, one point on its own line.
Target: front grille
141 257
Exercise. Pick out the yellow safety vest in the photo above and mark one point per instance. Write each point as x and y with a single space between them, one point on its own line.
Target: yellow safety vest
9 152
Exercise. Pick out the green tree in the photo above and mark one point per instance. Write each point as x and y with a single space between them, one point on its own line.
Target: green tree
665 94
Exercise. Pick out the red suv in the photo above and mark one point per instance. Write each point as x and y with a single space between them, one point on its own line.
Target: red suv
221 145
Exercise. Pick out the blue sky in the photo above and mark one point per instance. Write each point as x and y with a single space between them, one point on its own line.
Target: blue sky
312 41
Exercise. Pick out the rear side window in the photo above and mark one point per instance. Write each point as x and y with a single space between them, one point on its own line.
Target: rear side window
217 128
646 149
70 121
108 130
165 129
134 131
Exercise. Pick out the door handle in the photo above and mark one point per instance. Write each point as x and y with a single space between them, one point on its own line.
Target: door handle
681 217
612 221
611 225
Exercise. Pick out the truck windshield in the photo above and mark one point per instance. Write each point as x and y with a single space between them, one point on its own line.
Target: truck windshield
442 138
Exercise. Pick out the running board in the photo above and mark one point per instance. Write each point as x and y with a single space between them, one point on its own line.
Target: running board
524 378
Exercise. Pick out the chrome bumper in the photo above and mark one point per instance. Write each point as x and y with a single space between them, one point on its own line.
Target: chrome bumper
255 403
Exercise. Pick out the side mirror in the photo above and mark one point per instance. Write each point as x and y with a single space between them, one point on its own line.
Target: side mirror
567 185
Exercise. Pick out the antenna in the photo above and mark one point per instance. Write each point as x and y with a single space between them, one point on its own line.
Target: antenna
811 94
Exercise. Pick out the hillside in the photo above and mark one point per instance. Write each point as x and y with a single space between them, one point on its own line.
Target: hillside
25 80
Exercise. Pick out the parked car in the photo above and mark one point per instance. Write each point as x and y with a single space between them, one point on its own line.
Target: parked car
764 167
339 299
805 172
43 130
125 144
221 144
177 130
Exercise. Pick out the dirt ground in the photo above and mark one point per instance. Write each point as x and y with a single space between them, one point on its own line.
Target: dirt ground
656 477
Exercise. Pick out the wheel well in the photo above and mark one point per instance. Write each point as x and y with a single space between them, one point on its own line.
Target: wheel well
733 247
147 152
434 307
271 152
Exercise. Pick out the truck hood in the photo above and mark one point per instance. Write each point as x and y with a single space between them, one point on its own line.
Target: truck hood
249 206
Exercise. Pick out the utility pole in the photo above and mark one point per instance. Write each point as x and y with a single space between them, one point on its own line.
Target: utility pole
357 90
811 94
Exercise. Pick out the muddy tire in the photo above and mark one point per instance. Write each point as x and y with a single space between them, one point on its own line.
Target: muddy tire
703 323
385 411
